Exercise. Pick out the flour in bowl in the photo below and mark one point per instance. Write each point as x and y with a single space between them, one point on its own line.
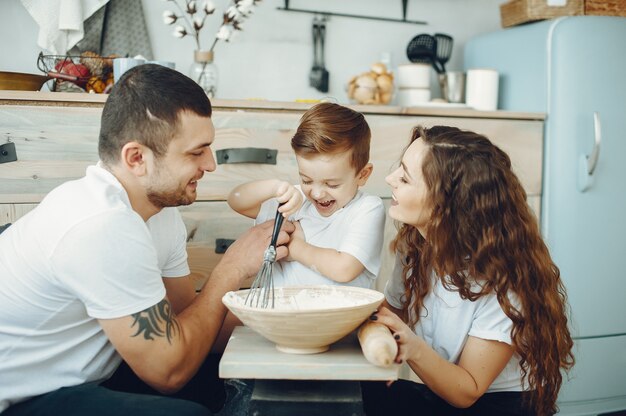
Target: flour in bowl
310 299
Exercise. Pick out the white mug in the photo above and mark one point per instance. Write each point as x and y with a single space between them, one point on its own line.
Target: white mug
481 89
121 65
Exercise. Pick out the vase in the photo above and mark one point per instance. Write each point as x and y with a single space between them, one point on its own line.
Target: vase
204 71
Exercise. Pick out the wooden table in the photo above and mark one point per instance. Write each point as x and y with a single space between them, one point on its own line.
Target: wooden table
309 384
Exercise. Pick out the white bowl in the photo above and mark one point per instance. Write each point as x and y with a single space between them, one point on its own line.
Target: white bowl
325 315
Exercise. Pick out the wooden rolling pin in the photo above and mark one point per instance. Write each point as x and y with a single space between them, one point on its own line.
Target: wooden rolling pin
377 344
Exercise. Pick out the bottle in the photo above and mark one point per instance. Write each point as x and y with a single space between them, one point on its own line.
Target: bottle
204 71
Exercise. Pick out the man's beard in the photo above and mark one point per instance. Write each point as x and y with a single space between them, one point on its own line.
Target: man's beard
162 196
162 199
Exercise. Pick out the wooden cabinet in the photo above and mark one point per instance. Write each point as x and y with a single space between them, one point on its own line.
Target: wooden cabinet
56 137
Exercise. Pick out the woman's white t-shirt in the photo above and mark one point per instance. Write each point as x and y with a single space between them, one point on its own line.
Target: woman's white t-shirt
447 320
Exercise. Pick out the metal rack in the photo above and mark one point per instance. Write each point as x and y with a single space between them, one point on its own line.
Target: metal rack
356 16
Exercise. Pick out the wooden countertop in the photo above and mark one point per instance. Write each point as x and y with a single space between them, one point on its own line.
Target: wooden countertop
250 356
65 99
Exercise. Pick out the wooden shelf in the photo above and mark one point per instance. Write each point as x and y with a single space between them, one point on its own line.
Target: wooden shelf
66 99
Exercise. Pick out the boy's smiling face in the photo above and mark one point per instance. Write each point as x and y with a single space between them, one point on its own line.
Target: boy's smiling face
329 181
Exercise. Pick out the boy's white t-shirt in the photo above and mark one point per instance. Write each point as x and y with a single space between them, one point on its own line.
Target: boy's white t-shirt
447 320
83 254
356 229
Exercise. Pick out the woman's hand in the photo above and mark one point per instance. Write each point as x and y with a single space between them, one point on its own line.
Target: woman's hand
409 344
460 384
290 198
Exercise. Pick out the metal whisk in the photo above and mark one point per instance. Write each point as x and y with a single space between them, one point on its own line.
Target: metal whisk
261 293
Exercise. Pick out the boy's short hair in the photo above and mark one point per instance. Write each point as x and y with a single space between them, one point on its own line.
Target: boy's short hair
329 128
145 106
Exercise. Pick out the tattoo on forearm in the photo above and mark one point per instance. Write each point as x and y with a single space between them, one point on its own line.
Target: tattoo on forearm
158 320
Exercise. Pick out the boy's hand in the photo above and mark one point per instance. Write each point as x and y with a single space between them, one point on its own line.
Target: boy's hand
289 196
297 234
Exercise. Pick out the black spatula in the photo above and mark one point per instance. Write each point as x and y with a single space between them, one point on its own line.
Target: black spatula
423 49
444 49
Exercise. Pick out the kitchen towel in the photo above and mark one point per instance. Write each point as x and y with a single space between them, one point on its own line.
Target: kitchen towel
61 21
118 28
481 91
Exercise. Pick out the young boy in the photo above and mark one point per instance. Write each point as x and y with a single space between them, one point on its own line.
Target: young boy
339 229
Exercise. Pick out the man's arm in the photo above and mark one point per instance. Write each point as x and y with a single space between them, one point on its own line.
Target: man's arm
165 349
180 291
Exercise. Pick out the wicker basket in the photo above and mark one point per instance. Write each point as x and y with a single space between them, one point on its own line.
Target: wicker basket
95 74
516 12
606 7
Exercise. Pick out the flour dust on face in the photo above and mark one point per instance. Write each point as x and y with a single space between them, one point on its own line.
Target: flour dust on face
330 181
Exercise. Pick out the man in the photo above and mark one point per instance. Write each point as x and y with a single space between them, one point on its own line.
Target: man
98 271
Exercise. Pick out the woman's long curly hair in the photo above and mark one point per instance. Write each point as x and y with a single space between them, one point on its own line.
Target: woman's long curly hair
481 226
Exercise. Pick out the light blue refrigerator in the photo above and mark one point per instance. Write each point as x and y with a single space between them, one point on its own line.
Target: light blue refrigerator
574 70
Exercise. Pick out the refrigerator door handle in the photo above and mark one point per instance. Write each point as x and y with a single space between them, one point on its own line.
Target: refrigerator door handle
588 163
592 159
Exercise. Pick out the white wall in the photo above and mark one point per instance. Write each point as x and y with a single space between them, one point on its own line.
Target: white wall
271 58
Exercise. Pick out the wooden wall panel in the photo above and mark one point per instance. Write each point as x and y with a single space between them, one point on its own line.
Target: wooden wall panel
206 222
56 144
53 145
249 129
50 152
9 213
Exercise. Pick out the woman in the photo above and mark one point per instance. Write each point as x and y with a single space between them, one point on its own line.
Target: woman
475 302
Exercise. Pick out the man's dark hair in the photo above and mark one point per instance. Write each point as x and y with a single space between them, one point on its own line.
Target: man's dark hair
144 106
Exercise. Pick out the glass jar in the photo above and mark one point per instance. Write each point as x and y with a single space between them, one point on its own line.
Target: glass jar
204 71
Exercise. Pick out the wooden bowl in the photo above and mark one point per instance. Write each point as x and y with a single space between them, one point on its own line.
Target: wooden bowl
20 81
326 314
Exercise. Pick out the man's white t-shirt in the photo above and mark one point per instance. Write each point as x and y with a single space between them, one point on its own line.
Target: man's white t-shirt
356 229
447 320
83 254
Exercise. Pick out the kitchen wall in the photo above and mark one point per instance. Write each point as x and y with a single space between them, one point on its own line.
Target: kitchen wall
272 56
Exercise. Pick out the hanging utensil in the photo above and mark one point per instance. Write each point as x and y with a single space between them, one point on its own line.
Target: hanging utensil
318 78
325 73
444 49
423 49
315 75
